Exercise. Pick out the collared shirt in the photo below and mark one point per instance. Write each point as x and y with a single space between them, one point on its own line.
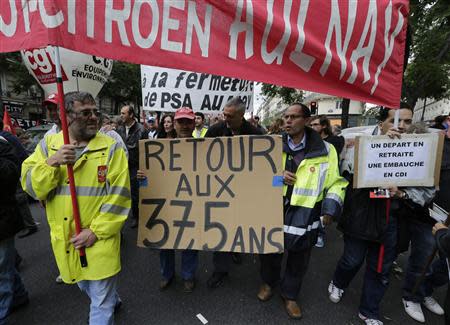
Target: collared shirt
128 127
297 147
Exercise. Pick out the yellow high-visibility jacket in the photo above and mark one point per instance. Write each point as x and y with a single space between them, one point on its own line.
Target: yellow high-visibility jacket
319 190
202 134
103 192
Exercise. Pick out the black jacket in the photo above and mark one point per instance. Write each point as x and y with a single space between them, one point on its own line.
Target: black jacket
338 142
443 199
363 217
220 129
136 133
443 196
443 241
10 219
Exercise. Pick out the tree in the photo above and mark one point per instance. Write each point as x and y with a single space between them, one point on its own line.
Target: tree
288 95
427 74
123 85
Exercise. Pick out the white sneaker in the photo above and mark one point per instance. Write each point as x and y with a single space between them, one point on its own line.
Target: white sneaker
433 306
370 321
334 293
320 242
414 310
59 280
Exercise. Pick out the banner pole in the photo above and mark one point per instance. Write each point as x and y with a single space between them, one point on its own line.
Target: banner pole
65 130
381 251
396 118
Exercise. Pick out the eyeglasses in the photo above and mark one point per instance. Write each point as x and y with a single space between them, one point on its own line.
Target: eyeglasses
87 113
315 124
293 116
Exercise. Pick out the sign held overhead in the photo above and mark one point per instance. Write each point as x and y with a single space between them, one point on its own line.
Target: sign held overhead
167 90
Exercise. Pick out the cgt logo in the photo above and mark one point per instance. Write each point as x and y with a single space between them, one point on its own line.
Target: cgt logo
42 64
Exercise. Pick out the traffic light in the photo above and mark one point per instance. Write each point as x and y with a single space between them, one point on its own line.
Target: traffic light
313 107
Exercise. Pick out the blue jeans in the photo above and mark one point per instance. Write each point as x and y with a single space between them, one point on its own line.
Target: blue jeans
375 284
12 291
104 298
189 262
422 246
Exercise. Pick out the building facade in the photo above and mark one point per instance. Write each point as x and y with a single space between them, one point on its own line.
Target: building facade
26 108
432 107
331 106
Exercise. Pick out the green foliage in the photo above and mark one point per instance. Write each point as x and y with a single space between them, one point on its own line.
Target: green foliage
288 95
124 84
428 71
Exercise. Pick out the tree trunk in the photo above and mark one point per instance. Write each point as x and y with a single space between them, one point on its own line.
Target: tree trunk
345 110
424 107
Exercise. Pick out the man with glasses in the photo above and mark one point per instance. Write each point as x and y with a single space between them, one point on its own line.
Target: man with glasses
103 193
313 193
233 124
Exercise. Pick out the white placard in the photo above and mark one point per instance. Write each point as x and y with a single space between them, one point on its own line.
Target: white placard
409 161
80 72
166 90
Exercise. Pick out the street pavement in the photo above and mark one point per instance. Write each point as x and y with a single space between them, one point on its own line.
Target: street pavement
233 303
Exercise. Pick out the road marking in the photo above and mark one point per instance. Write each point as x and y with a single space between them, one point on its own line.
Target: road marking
202 319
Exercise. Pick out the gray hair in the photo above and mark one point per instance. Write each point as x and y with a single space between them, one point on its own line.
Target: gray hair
236 102
77 96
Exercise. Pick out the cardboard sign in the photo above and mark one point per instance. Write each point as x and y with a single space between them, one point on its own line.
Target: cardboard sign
350 49
167 90
219 194
413 160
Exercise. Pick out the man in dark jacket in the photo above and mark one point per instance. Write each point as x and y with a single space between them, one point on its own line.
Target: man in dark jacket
22 198
131 132
365 227
441 232
233 124
12 291
313 192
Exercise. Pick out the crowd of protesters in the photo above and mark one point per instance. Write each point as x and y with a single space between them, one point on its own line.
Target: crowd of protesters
107 175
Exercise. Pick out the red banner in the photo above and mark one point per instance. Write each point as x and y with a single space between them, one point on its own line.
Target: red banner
349 48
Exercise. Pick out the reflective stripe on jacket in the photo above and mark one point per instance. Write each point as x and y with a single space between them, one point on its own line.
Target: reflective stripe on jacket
319 190
202 133
103 193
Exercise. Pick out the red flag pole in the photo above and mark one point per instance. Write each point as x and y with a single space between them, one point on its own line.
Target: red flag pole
65 130
381 252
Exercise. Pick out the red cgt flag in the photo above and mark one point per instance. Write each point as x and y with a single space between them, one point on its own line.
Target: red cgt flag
7 124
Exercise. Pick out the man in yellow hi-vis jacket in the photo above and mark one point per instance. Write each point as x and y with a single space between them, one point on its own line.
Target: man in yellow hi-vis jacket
313 193
103 192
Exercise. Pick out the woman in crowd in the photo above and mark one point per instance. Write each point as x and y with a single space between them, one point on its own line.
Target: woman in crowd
166 129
